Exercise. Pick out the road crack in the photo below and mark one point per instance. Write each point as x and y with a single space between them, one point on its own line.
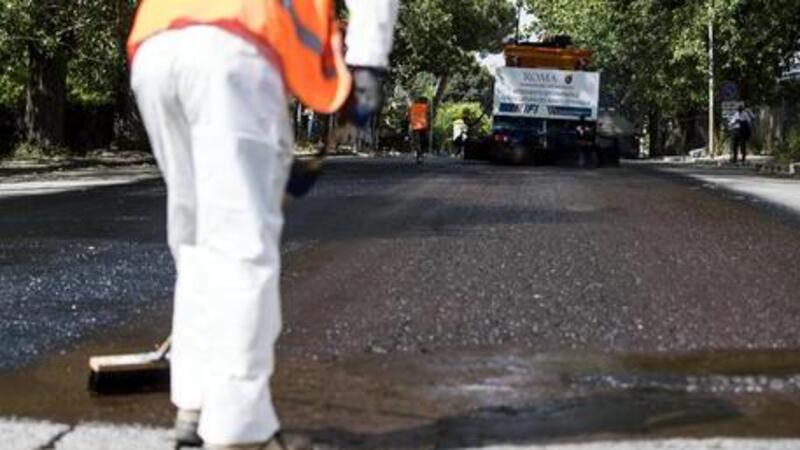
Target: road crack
51 444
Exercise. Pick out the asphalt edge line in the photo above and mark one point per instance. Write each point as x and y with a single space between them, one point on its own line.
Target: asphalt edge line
782 211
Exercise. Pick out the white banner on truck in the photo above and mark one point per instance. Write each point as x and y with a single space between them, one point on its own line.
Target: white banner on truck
546 94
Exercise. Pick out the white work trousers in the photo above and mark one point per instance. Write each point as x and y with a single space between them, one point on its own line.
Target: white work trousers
216 114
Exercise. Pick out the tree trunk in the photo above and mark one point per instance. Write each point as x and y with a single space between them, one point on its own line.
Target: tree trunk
328 132
128 130
46 98
654 131
689 132
46 90
441 87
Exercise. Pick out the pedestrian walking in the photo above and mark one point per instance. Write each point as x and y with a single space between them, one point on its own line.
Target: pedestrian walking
460 135
419 120
210 78
741 128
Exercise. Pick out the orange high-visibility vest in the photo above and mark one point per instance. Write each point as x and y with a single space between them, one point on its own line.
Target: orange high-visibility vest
418 116
303 35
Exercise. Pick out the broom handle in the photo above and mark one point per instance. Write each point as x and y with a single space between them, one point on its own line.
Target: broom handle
163 349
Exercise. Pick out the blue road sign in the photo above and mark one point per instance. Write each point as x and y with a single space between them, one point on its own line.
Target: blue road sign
729 92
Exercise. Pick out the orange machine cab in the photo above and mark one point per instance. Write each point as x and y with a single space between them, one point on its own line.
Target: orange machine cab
303 34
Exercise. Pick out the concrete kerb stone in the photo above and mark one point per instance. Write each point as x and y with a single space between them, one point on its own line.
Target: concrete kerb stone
96 436
22 434
672 444
766 167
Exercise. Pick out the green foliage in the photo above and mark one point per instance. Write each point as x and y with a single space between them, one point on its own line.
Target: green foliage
97 60
12 84
470 83
449 112
757 39
651 53
12 56
441 36
654 55
29 152
789 152
88 32
435 46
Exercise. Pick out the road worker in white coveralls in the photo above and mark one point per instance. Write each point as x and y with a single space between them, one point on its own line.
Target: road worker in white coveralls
211 80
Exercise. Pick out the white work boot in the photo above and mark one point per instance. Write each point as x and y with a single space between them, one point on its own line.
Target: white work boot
280 441
186 429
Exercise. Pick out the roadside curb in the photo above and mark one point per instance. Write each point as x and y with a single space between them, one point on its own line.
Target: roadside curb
23 434
779 191
671 444
40 167
761 167
53 182
784 170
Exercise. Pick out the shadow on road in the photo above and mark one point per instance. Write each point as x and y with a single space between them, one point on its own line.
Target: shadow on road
627 413
421 217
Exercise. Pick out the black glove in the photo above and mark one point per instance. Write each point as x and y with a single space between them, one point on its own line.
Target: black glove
366 97
303 177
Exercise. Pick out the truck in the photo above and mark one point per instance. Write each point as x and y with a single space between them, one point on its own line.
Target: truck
546 107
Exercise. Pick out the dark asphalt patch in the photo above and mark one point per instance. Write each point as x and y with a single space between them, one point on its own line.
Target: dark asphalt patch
79 263
458 398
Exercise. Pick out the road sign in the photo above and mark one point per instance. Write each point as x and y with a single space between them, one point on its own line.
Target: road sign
729 92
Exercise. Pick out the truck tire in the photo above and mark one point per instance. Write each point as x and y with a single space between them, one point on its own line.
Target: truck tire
612 158
614 162
609 157
588 158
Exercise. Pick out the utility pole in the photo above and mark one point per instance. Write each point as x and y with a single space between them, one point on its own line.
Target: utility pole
519 18
711 84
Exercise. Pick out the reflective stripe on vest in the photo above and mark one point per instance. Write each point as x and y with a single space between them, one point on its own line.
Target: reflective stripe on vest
303 34
306 36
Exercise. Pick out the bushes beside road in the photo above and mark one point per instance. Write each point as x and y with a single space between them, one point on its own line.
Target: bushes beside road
789 151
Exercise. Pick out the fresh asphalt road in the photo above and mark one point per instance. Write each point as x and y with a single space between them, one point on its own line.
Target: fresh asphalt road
390 258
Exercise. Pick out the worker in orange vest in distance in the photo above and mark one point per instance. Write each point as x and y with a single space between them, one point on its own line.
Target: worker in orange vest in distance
419 120
211 80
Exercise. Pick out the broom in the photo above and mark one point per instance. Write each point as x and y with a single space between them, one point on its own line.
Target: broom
131 373
149 371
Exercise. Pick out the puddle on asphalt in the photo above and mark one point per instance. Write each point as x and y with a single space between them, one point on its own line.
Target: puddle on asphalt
465 397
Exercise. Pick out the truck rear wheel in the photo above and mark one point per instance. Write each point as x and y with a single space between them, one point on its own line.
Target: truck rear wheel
588 159
610 155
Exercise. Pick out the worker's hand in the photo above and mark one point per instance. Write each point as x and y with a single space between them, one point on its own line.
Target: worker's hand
366 98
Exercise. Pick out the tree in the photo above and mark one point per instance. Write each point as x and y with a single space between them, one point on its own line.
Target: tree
46 90
758 39
469 83
54 53
654 55
439 37
128 128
